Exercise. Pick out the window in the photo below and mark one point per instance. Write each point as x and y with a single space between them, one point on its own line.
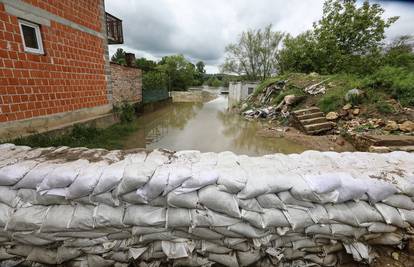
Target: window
32 39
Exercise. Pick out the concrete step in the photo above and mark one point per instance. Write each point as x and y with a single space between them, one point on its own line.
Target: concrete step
313 121
318 127
310 116
305 111
390 140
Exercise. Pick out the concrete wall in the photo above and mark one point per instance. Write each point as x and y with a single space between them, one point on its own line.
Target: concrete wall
239 91
192 96
72 74
126 84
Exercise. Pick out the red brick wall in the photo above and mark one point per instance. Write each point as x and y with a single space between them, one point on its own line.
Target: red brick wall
126 83
69 76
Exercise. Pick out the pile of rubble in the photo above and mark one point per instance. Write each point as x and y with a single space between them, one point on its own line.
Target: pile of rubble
107 208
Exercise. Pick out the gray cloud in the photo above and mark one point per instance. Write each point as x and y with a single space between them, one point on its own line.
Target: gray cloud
201 29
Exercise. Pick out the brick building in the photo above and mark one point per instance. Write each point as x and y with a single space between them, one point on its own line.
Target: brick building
54 63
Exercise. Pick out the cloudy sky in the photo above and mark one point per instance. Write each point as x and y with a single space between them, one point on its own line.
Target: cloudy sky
200 29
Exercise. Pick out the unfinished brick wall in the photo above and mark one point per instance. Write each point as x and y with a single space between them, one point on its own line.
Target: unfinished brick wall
126 83
69 76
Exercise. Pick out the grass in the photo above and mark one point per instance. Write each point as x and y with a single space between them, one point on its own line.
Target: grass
81 136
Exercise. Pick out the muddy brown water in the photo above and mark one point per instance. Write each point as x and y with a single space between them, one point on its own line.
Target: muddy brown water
207 127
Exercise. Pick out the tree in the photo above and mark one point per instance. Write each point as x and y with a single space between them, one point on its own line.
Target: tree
180 72
119 56
254 55
145 64
200 67
346 33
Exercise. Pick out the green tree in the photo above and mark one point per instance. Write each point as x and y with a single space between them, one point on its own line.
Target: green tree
119 56
201 67
179 71
145 64
254 55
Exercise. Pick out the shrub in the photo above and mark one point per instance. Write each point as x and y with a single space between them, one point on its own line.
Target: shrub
154 80
330 102
125 112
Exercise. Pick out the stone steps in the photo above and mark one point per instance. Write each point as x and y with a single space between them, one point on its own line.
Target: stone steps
389 143
388 149
311 121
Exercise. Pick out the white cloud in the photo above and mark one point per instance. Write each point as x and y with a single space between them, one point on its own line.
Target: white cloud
200 29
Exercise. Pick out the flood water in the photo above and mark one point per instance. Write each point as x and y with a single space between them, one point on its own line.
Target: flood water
207 127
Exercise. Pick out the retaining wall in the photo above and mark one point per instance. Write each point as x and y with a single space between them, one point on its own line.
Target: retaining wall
126 84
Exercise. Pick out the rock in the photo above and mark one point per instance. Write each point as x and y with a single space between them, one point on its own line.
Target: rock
356 111
290 99
347 107
341 142
353 93
391 126
331 116
244 106
395 255
343 113
379 149
407 126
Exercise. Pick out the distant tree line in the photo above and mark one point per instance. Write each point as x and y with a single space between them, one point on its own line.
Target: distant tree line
174 72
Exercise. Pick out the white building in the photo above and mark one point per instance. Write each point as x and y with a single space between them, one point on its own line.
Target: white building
239 91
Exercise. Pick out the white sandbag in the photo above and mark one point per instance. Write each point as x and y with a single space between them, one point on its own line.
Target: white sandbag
200 218
86 181
318 229
232 179
341 214
156 185
58 218
9 196
26 219
5 213
399 201
225 260
289 200
144 230
387 239
363 212
43 255
177 217
179 173
202 176
205 233
11 174
217 219
326 260
379 190
274 218
227 233
298 218
36 175
107 216
219 201
174 250
347 230
135 176
378 227
31 197
390 215
110 177
133 198
270 201
319 214
135 253
351 188
247 230
188 200
207 246
63 175
82 218
105 198
250 204
144 215
33 239
248 258
324 183
407 215
253 218
157 157
65 254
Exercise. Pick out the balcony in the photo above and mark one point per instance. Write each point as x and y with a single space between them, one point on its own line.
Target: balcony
114 29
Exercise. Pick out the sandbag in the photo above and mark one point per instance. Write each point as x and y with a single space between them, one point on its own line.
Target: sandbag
156 185
219 201
27 219
36 175
10 175
135 175
144 215
86 181
110 177
188 200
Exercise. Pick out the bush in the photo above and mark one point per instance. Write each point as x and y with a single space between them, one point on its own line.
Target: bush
397 82
331 102
125 112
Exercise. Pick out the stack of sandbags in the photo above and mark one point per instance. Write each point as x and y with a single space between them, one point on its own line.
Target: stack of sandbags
83 207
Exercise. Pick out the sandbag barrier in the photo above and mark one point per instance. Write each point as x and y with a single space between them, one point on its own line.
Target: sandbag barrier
92 207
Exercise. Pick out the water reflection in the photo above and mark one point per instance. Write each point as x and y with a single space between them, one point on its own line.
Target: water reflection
204 127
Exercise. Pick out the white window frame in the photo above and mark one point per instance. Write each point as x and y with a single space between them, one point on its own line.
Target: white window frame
38 37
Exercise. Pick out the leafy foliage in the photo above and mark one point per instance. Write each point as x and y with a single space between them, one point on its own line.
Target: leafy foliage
179 72
254 55
119 57
154 80
145 64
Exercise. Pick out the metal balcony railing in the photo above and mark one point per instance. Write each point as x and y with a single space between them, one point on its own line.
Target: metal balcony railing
114 29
